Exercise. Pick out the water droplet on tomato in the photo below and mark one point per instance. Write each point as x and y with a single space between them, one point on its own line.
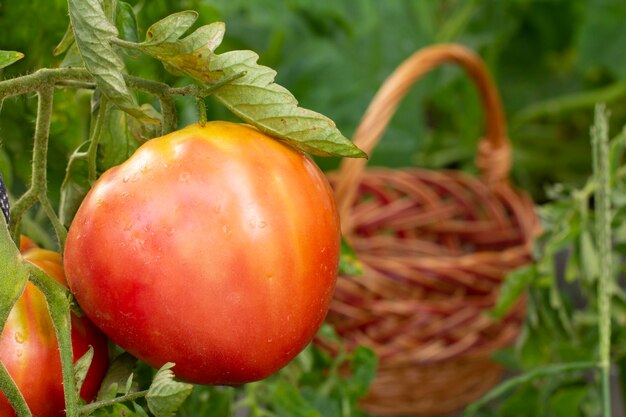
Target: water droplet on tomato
19 353
184 177
262 224
19 337
226 230
269 340
126 178
217 209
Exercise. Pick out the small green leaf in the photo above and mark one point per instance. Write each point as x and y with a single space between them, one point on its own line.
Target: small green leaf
126 22
189 56
116 410
348 261
165 395
13 274
81 367
9 57
363 372
66 42
568 401
170 28
117 377
588 257
72 58
140 410
75 185
512 288
258 100
93 33
117 142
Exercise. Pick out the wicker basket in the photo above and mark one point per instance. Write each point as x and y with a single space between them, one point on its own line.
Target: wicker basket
435 247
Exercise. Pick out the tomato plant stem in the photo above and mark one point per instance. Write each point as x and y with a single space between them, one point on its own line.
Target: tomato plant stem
13 278
168 111
90 408
600 141
531 375
13 394
59 307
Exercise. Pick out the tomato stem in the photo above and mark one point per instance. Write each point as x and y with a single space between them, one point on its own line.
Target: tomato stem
90 408
201 111
168 111
13 394
59 307
600 142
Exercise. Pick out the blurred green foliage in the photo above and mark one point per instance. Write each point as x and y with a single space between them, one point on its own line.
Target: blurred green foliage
552 60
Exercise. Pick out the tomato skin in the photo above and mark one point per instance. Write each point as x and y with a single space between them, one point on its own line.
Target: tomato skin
29 349
214 247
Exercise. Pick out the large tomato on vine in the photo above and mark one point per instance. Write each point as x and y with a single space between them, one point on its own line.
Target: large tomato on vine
29 348
215 247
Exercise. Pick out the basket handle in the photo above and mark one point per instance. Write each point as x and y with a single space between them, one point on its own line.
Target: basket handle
494 150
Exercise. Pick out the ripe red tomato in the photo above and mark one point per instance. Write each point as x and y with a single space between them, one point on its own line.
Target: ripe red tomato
29 349
215 247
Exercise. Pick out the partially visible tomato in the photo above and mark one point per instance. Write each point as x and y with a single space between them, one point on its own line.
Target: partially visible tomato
29 348
215 247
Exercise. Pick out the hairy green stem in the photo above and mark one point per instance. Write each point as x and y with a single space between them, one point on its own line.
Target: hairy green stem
529 376
600 141
201 111
13 279
59 308
57 225
13 394
80 78
168 111
126 44
38 187
21 206
90 408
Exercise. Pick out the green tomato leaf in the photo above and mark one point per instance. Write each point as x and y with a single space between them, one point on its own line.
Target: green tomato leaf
348 262
568 401
117 142
13 274
116 410
287 400
75 185
126 22
116 380
189 56
72 58
170 28
67 41
258 100
364 365
93 34
9 57
81 367
165 395
512 288
140 410
589 260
